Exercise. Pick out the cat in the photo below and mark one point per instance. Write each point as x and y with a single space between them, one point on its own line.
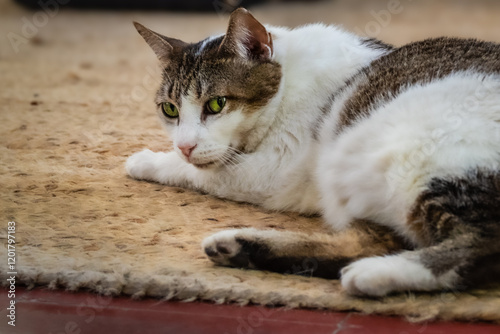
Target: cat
373 137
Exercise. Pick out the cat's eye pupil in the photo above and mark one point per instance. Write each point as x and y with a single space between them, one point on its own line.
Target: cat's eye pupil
216 105
169 110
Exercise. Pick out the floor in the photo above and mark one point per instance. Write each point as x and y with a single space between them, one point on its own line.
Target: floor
58 312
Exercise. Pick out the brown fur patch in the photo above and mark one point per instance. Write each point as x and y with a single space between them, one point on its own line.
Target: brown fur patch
416 63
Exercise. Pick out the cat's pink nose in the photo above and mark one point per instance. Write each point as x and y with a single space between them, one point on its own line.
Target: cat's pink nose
187 149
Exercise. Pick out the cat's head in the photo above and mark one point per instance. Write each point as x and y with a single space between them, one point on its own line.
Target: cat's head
215 92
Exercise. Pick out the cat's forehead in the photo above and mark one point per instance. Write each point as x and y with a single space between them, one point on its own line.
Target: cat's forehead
193 55
200 68
207 45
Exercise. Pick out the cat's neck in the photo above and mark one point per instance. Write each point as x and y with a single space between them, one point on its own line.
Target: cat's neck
317 60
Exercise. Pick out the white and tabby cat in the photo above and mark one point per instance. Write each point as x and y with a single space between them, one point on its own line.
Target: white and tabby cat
320 121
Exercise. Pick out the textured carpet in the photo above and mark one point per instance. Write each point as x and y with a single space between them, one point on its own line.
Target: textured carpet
77 100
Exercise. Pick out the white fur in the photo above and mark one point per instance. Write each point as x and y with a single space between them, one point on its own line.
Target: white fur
378 276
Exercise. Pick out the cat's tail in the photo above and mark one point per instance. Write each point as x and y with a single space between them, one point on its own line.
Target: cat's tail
317 254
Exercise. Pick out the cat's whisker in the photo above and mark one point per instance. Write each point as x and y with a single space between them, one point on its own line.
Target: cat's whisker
234 160
231 158
231 162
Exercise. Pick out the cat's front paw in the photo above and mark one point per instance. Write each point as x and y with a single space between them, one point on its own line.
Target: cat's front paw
141 165
225 248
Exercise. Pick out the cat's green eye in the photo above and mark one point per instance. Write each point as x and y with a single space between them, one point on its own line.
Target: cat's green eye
216 104
169 110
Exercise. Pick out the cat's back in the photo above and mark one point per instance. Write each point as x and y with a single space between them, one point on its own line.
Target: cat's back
413 64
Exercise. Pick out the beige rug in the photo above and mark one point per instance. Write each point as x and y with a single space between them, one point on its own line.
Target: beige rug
77 100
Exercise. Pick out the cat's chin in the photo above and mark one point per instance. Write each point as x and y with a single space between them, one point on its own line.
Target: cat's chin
206 165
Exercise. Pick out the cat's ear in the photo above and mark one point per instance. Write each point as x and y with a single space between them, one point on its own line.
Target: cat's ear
247 37
162 46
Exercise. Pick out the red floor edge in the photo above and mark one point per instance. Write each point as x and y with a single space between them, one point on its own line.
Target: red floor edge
42 311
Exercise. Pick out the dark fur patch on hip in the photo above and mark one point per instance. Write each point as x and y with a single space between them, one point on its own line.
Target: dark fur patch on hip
471 200
458 218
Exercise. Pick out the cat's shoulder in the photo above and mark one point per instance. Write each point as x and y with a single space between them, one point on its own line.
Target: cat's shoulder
413 64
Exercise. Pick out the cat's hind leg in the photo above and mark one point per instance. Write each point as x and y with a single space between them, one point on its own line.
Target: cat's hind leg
319 254
459 220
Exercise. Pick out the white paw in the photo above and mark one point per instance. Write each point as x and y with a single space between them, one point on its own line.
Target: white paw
379 276
141 165
224 249
370 276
